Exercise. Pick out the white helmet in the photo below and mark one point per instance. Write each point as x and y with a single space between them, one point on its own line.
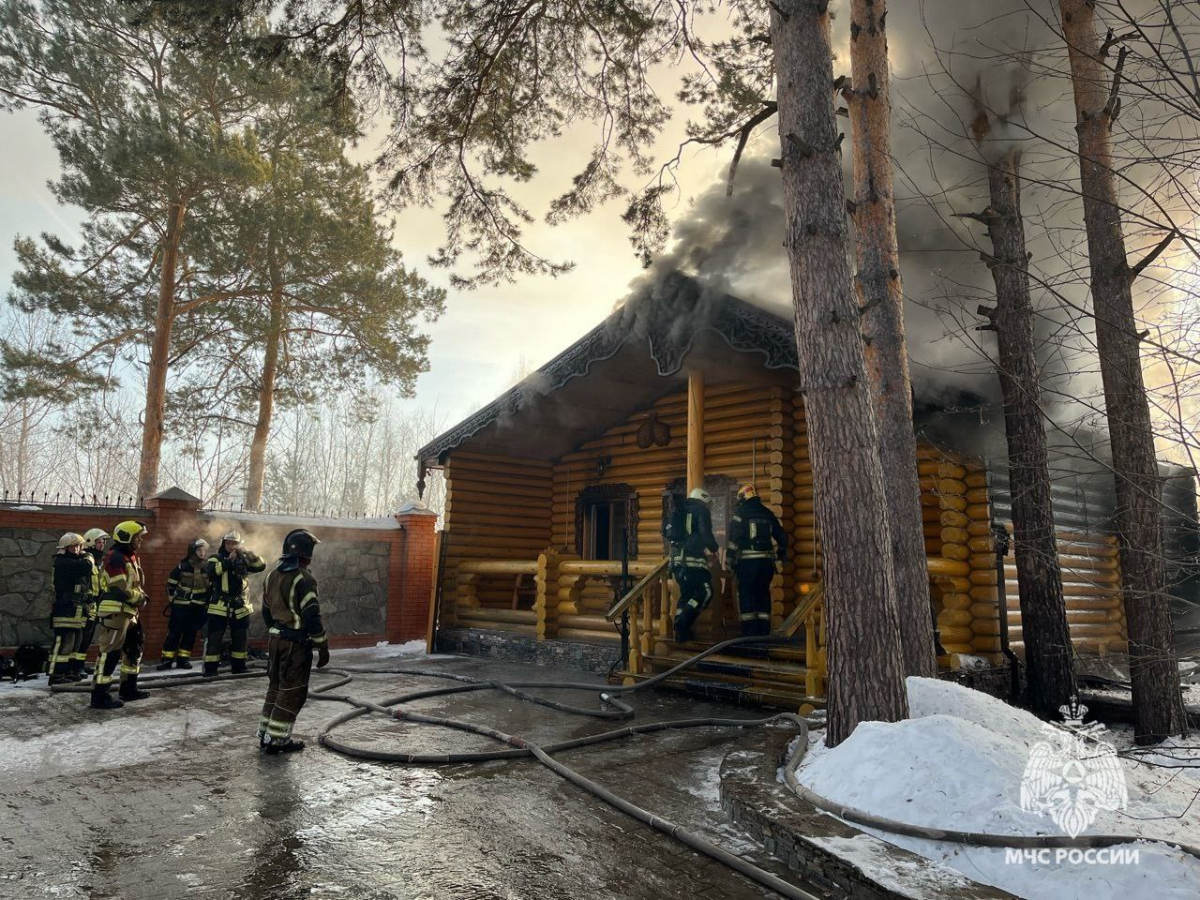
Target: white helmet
70 539
233 535
94 534
700 494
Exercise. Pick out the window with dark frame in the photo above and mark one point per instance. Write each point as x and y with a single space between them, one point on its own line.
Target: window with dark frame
604 516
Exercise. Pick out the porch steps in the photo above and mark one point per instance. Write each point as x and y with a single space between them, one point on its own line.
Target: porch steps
768 676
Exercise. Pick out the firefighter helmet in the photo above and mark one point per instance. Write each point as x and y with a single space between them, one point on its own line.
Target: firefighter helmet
127 531
94 534
70 539
233 535
700 494
196 546
300 542
746 491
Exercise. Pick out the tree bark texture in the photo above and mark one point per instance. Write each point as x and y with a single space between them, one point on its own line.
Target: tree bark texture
1158 703
1048 653
160 354
266 390
866 676
882 300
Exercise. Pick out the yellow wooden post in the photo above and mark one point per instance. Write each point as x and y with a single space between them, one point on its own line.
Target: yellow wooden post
695 431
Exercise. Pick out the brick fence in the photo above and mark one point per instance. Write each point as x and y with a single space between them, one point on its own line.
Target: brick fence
375 576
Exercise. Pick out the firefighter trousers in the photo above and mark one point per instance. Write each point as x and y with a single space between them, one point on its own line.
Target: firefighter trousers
754 577
183 626
288 671
239 635
695 593
86 637
67 622
121 641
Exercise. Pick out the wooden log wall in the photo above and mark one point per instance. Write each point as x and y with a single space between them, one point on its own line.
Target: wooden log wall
497 508
747 431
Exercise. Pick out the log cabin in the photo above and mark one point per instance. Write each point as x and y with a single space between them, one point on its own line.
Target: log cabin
556 493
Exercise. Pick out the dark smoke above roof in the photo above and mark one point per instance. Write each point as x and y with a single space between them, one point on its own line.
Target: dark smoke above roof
668 316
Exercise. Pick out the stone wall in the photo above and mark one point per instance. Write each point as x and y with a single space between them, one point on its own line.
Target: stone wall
352 581
26 594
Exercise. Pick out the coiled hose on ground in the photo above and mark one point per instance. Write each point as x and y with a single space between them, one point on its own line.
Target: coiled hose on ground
613 708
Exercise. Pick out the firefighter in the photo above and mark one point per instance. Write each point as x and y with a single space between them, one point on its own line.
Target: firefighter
122 598
691 538
756 544
187 604
228 572
71 576
293 617
94 541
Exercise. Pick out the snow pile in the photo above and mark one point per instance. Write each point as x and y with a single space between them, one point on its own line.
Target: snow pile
384 650
117 742
958 764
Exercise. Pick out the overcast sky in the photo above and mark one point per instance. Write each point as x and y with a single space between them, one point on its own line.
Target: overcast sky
480 343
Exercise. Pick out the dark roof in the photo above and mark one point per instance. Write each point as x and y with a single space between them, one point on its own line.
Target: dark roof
669 319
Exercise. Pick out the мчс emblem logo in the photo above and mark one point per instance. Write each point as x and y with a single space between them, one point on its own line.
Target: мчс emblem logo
1074 775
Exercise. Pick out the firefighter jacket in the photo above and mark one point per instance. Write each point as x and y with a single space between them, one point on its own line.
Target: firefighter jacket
755 533
122 585
187 585
72 577
290 605
229 577
97 560
691 534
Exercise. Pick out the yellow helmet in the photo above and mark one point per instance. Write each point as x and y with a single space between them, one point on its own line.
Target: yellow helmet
127 531
746 491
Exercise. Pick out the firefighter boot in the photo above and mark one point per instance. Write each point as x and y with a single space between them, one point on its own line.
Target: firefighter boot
237 666
210 669
102 699
283 745
181 663
165 664
129 689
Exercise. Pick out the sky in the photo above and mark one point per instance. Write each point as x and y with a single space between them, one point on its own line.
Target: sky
486 335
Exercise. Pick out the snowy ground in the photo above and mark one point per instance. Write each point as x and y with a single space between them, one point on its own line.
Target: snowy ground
958 764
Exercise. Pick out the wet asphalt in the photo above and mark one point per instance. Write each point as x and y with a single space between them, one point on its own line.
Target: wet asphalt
172 799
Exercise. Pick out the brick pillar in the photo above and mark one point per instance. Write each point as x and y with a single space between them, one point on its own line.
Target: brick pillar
410 577
175 525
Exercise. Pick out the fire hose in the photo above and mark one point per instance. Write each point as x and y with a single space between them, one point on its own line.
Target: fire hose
613 708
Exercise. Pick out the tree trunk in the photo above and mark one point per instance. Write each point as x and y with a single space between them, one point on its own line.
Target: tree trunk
883 328
1048 654
266 390
160 352
1157 701
866 675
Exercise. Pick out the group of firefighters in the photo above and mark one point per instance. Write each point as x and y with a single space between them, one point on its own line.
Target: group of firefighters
100 594
756 545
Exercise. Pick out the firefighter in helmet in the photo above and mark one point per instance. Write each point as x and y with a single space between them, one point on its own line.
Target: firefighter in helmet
94 541
228 572
292 613
756 543
187 605
72 576
122 598
690 535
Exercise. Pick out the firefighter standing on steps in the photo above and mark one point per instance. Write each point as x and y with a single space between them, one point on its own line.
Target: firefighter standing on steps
228 572
756 543
122 598
94 541
293 617
187 602
691 538
72 577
